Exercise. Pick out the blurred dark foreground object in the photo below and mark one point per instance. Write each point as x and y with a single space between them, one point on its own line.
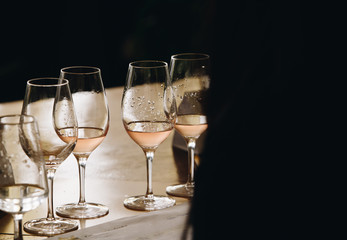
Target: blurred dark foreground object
250 180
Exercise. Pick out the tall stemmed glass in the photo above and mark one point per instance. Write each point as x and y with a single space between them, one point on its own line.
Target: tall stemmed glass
49 101
148 114
93 122
23 182
190 76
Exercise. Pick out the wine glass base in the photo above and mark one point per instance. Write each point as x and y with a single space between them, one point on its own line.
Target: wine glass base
180 190
50 227
82 211
143 203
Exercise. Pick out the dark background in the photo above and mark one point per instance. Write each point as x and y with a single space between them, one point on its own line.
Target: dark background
259 141
38 38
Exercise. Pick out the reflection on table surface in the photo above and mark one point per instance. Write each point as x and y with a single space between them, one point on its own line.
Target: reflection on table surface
115 170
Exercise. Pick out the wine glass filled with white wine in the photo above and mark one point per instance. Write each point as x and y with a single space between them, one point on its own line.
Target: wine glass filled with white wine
23 182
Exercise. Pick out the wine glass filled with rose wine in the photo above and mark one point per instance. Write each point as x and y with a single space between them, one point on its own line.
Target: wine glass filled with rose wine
92 113
148 114
190 76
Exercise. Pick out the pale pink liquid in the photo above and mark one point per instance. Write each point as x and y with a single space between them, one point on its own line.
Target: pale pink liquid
193 131
148 135
88 139
191 126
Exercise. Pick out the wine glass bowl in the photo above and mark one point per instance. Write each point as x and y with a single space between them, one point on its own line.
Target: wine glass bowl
190 76
49 101
148 115
92 114
23 182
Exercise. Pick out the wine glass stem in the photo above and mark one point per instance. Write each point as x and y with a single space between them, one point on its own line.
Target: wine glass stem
50 177
82 163
191 143
149 159
17 218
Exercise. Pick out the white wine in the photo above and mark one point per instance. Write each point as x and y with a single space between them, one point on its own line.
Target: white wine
148 135
191 126
21 198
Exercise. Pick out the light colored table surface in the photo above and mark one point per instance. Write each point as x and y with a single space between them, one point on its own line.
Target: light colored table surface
115 170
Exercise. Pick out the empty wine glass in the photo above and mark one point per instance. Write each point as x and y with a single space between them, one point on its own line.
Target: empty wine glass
92 113
23 182
190 76
49 101
148 114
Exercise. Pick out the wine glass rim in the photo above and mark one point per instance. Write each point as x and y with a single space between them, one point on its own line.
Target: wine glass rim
72 70
59 82
157 64
190 56
16 119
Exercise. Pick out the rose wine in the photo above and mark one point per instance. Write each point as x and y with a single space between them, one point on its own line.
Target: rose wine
148 135
88 139
191 126
21 198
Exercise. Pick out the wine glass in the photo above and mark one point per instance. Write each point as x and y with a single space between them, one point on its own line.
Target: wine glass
190 76
23 182
92 113
148 114
49 101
